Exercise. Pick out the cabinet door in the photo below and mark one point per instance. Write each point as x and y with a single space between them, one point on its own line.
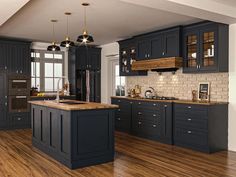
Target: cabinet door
3 56
92 86
143 49
191 51
166 122
26 60
208 48
157 47
3 101
81 59
97 91
171 44
72 70
94 59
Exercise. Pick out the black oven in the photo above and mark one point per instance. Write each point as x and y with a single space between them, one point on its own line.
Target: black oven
19 85
19 104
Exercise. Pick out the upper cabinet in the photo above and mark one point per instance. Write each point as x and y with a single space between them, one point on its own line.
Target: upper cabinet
160 44
127 57
205 47
15 56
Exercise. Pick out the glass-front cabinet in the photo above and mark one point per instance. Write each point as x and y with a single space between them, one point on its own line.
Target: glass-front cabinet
205 48
127 57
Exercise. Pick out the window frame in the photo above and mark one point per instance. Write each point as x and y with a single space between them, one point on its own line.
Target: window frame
42 60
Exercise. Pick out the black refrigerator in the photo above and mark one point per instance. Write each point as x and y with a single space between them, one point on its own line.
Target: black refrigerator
88 85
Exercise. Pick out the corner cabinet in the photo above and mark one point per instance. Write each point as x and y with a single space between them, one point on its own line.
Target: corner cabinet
127 57
205 47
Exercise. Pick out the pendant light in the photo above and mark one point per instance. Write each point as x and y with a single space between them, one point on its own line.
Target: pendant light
67 43
53 47
85 37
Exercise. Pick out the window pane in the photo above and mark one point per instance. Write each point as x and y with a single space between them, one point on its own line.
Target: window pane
48 84
48 55
58 56
38 83
32 69
122 81
48 69
117 70
55 84
57 70
37 55
117 81
32 54
32 82
37 69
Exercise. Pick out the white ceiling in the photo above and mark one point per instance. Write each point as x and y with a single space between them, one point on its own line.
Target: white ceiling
9 8
108 20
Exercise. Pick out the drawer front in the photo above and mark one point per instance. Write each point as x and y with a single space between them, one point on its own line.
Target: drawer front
19 119
146 129
191 137
147 106
192 111
186 122
122 124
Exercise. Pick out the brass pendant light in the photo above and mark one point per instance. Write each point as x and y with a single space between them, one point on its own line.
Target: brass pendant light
53 47
85 37
67 43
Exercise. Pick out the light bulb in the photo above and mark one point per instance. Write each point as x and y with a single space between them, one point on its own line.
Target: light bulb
67 45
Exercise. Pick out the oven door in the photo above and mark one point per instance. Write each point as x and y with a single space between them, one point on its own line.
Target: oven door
19 87
19 104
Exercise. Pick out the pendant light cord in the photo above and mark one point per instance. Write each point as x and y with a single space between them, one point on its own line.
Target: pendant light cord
67 28
85 18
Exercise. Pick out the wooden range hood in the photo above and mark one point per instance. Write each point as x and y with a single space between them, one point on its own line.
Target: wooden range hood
159 65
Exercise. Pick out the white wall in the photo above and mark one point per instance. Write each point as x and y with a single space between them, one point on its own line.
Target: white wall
108 49
232 87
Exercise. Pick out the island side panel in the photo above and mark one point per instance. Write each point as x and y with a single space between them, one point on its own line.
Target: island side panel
93 137
51 129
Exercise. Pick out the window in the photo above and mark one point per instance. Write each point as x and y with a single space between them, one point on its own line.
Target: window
46 69
119 82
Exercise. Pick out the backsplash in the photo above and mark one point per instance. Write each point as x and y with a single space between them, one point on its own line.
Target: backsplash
181 85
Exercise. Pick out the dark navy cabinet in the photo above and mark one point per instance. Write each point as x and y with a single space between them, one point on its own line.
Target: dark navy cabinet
123 114
127 57
3 100
205 47
201 127
147 119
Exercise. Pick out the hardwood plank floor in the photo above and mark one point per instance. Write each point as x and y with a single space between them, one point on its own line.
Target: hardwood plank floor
135 157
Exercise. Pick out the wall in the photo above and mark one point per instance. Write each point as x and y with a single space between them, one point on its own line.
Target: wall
108 49
181 85
232 87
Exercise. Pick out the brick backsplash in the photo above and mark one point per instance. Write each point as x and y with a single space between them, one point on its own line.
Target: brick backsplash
181 85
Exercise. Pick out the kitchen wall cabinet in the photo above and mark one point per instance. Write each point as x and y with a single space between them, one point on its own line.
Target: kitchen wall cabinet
127 57
205 47
160 44
15 56
123 114
203 128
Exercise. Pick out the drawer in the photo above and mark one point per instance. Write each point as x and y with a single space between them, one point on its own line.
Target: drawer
191 137
197 111
200 124
147 116
145 106
147 129
19 119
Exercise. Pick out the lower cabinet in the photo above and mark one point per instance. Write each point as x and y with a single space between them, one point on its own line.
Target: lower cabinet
147 119
19 120
123 115
201 127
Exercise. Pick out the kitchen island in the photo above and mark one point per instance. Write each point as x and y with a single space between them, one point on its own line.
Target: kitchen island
75 133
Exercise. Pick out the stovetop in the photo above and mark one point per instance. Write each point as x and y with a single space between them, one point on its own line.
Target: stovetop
162 98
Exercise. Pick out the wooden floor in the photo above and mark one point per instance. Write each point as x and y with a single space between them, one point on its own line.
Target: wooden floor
134 157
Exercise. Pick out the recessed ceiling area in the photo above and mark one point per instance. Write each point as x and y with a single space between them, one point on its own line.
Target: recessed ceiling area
107 20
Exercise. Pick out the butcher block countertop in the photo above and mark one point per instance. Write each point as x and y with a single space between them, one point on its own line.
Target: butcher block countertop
172 101
73 105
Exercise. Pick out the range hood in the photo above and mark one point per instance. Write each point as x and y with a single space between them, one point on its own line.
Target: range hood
159 65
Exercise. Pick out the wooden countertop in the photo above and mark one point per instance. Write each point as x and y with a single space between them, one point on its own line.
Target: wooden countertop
73 107
172 101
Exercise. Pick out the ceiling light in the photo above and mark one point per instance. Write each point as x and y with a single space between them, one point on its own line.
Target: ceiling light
85 37
67 43
53 47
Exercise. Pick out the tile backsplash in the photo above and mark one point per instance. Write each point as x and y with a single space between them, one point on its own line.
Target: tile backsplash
181 85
